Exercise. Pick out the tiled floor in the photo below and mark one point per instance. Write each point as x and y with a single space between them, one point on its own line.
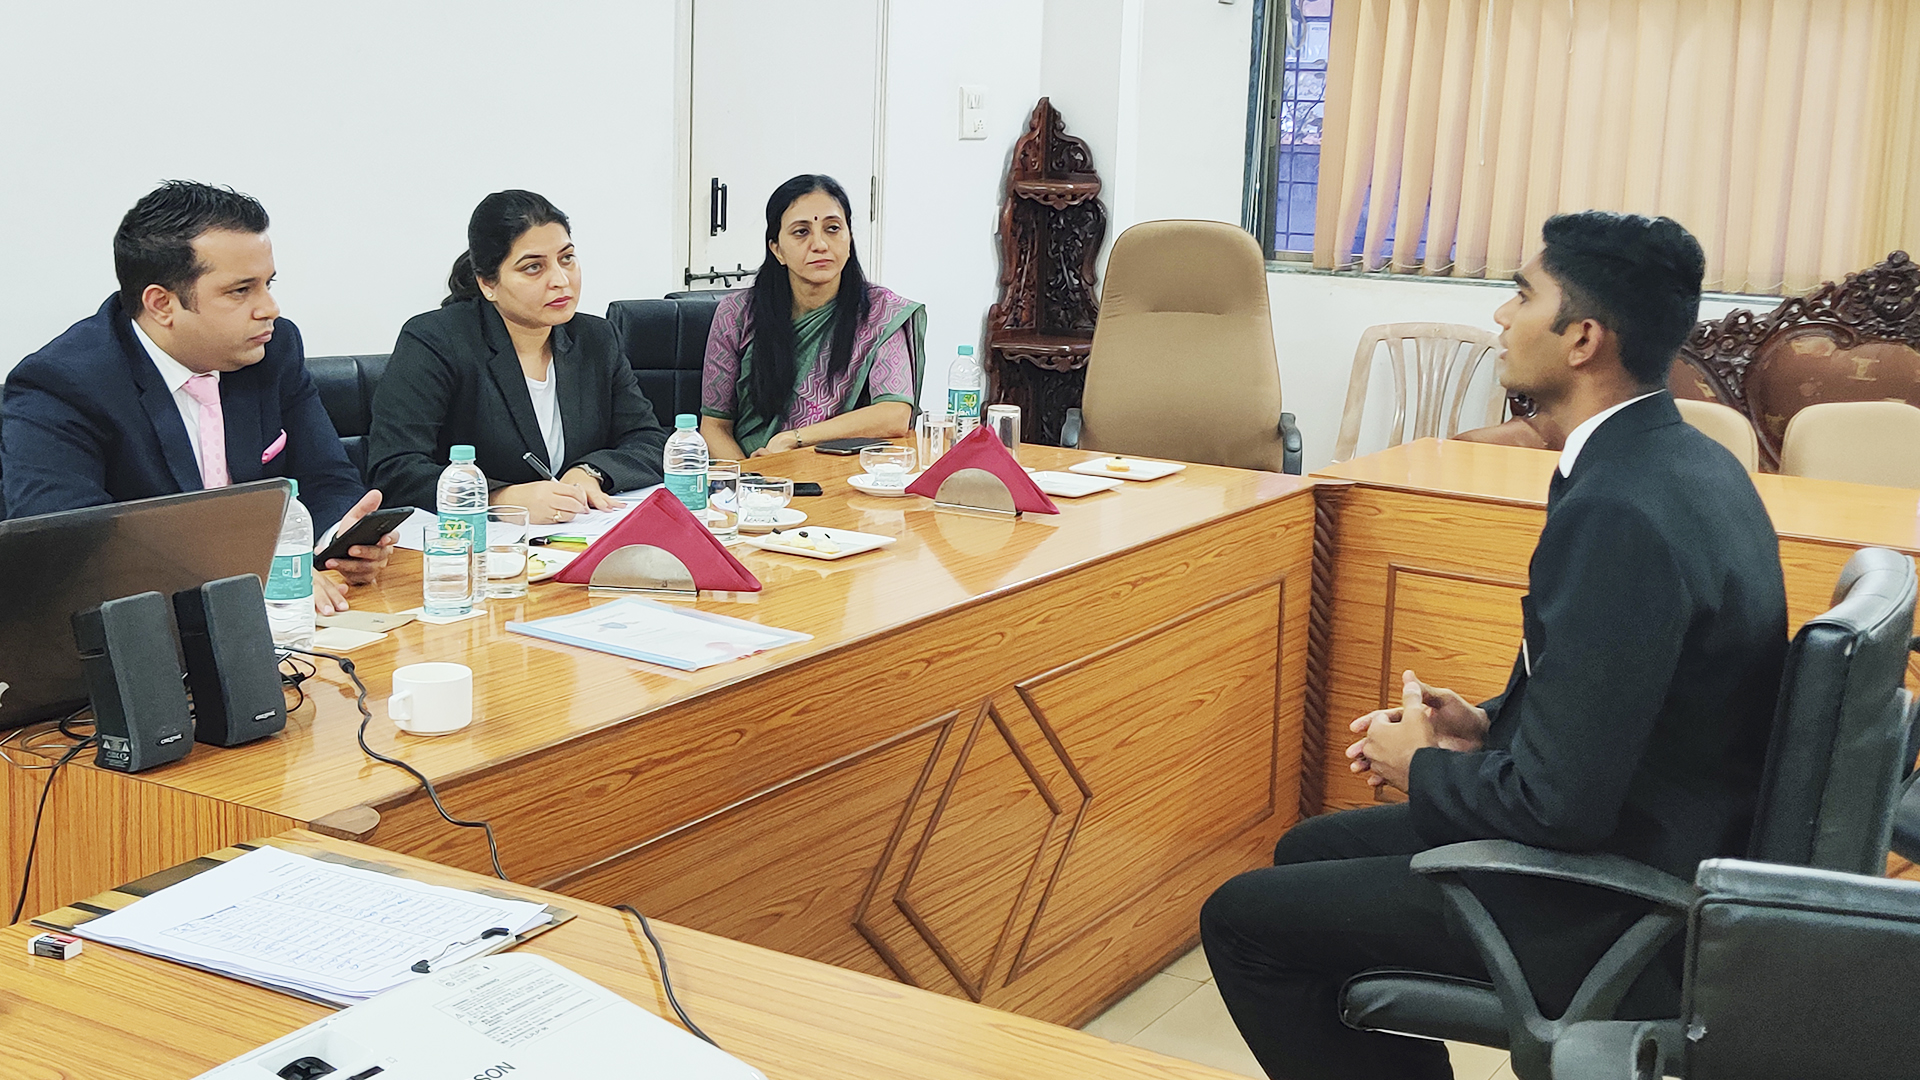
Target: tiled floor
1179 1013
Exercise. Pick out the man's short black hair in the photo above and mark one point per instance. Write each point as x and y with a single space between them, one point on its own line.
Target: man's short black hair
1637 276
154 244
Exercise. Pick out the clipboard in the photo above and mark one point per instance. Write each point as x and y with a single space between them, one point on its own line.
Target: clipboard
81 912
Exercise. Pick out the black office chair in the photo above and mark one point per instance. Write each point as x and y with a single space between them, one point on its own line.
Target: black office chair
1834 766
666 343
346 385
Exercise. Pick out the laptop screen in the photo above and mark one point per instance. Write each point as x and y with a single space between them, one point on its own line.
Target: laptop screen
56 564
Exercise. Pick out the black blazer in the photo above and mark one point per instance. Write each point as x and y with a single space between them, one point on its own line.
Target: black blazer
454 379
1656 631
88 421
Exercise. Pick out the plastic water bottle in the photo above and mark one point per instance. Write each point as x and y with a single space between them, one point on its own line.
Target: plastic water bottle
289 585
462 503
686 465
964 380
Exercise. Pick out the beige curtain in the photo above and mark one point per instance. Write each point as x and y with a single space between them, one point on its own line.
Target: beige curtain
1785 134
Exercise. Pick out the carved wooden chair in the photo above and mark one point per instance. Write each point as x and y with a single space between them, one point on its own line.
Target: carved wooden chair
1433 367
1856 340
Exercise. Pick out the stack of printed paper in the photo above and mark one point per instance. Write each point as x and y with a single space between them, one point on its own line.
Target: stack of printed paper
337 933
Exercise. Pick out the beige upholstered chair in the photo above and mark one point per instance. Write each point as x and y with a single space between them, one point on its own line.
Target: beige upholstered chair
1725 426
1433 368
1864 442
1182 364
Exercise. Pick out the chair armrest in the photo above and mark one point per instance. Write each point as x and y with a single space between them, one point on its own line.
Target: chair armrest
1621 875
1070 430
1290 444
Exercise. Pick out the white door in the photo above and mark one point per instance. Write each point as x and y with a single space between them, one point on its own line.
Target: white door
780 88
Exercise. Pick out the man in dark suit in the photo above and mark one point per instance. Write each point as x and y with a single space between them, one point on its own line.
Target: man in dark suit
187 378
1636 718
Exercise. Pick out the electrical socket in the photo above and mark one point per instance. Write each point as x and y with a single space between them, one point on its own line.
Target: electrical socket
973 112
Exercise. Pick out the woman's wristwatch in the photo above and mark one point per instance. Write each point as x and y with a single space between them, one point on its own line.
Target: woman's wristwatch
598 476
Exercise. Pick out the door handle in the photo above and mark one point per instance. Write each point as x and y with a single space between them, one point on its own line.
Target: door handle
716 208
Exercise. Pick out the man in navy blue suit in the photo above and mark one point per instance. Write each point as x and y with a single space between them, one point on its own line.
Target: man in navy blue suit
185 379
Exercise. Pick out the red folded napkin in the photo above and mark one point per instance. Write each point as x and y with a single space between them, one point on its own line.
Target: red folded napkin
983 450
665 522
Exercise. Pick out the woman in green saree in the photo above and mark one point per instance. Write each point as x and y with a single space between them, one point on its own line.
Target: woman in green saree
811 351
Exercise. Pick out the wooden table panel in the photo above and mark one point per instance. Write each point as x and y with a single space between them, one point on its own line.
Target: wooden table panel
815 798
1430 545
113 1013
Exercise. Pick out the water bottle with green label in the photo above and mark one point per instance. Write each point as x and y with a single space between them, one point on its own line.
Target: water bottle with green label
685 469
964 380
289 584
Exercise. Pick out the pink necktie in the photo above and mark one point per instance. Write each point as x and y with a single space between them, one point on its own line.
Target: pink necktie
205 389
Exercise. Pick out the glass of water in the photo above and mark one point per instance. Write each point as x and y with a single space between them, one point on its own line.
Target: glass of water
933 436
723 498
506 552
447 576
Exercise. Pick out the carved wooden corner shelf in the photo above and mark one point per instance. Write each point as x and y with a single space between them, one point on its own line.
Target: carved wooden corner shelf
1855 340
1040 332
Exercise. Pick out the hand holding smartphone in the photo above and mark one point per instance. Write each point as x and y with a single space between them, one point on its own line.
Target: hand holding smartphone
368 530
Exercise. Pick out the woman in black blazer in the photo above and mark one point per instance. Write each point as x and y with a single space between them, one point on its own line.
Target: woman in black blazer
508 366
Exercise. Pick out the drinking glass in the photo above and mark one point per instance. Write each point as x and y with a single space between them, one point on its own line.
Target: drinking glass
933 436
761 499
1005 422
506 552
447 576
723 498
887 466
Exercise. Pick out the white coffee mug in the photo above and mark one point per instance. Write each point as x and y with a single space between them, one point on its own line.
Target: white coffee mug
431 699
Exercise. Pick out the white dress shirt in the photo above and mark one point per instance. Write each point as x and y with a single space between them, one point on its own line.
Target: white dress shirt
175 375
1585 431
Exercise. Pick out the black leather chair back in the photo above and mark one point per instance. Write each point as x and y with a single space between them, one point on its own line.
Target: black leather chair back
666 342
1800 974
346 385
1835 761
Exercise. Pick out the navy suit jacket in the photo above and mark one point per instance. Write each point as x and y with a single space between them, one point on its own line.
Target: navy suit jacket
87 420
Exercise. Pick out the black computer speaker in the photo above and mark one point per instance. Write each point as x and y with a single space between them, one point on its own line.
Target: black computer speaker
231 667
133 678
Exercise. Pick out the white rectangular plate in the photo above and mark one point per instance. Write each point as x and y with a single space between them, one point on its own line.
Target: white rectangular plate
848 541
1136 468
1069 486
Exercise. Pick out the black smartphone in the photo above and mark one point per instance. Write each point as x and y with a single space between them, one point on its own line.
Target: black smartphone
847 447
368 530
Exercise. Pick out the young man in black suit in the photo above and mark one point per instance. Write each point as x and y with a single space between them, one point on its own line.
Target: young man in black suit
187 378
1636 718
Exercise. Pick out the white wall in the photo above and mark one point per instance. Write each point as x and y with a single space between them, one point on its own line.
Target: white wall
941 199
369 130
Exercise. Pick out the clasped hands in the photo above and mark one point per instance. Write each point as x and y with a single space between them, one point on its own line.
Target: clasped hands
1427 716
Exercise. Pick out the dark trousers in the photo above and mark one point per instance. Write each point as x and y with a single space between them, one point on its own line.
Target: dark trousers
1338 900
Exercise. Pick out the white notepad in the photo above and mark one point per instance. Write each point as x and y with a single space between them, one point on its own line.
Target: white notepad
659 634
320 929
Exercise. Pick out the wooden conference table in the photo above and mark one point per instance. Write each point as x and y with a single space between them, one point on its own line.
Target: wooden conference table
108 1012
1424 551
1010 764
